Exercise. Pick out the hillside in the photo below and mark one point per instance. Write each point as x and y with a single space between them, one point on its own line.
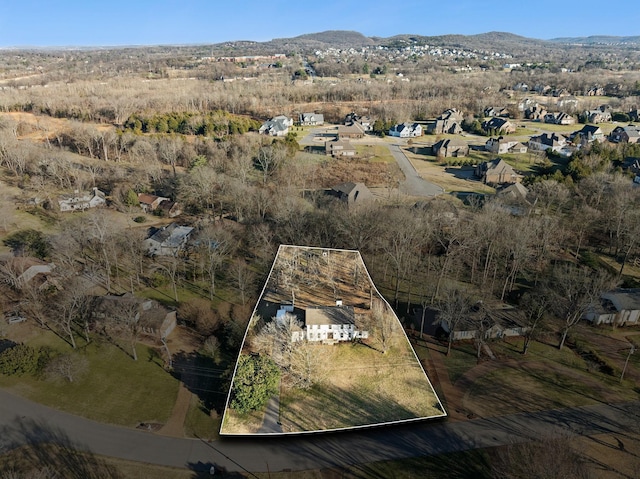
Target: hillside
598 40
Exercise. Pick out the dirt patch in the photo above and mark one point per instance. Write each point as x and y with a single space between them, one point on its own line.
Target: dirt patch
38 128
373 174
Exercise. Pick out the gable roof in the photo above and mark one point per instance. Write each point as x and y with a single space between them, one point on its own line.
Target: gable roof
514 190
319 315
450 143
345 188
147 199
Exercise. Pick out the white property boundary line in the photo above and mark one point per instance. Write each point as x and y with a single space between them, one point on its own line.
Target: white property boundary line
321 431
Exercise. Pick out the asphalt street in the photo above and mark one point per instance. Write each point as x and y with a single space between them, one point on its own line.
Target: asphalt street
22 422
413 184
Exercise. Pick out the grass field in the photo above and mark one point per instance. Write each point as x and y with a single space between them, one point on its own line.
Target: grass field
115 389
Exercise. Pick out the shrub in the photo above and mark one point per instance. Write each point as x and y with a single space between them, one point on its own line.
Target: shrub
140 219
256 380
22 359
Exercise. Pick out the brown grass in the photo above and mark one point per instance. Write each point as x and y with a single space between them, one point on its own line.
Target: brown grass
362 386
359 384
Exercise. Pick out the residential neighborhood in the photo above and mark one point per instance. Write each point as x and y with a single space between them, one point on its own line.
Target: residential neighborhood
415 252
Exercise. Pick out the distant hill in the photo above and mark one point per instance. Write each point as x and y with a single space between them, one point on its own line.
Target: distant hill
482 40
330 38
598 40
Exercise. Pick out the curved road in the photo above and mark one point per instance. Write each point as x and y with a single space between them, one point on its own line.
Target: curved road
413 184
22 421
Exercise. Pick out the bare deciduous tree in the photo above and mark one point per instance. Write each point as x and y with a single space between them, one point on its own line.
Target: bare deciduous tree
67 366
454 307
573 290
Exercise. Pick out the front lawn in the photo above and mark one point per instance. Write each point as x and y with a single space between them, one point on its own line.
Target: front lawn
114 389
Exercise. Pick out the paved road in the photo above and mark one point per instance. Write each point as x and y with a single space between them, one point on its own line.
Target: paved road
22 421
413 184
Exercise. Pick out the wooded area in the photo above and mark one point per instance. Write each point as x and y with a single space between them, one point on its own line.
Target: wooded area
177 124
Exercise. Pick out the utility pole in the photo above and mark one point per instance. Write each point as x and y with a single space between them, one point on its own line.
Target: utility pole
631 351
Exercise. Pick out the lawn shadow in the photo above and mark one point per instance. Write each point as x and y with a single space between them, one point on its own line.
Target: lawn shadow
202 377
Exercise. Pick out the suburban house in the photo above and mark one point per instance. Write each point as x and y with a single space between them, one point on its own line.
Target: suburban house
406 130
498 126
311 119
451 147
78 202
588 134
153 319
352 194
567 102
449 121
559 118
527 103
620 306
599 115
595 90
363 122
535 113
632 165
329 325
625 134
339 148
168 240
546 141
350 132
276 126
496 111
20 271
514 199
151 203
495 323
496 172
500 145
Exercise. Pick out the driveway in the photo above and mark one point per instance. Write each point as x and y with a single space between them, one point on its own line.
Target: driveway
413 184
22 421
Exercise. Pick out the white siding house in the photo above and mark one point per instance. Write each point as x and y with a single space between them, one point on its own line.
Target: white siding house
329 324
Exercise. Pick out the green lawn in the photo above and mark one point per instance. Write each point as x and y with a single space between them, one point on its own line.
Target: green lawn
115 389
461 359
375 153
199 423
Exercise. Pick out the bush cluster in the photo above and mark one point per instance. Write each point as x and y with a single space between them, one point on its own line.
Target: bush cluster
217 123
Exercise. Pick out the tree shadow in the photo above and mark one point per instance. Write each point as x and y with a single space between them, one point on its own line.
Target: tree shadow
202 377
464 465
48 450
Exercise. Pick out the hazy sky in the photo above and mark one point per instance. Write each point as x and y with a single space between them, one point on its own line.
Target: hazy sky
146 22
